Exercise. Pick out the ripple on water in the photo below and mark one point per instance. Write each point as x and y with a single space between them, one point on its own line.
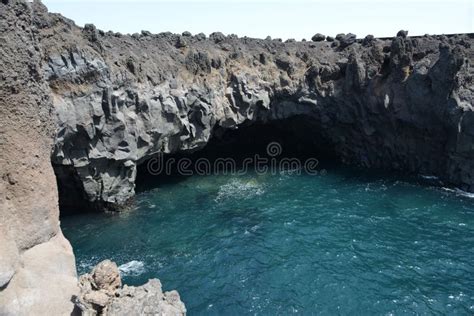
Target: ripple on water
345 243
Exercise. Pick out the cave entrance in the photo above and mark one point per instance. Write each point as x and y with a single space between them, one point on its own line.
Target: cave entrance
281 144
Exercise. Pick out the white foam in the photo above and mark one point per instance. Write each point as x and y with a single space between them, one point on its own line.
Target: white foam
460 192
428 177
133 267
375 187
239 189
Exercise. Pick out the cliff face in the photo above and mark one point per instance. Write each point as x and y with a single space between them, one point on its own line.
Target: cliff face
402 103
112 101
37 269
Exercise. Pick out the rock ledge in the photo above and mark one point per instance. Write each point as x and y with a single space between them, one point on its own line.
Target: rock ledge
101 293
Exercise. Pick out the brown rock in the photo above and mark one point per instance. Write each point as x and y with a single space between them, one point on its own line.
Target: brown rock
106 276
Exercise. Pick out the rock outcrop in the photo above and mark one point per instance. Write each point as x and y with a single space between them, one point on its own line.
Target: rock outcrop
37 269
403 103
111 101
102 294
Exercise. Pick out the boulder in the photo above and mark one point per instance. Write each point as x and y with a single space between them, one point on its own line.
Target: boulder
402 34
200 36
217 37
340 36
347 39
318 37
90 32
368 40
106 276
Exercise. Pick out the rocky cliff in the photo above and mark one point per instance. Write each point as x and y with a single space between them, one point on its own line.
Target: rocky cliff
402 103
37 269
107 102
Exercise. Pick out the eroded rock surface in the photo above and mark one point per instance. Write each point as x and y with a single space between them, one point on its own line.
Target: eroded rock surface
101 294
37 268
403 103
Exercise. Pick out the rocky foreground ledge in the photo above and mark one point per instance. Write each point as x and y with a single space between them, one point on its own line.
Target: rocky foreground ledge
101 293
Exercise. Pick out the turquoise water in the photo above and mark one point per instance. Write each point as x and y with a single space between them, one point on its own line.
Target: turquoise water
347 242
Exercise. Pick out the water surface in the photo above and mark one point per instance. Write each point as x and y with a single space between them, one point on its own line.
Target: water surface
347 242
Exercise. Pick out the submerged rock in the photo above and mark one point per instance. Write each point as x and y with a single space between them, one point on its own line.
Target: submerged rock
101 294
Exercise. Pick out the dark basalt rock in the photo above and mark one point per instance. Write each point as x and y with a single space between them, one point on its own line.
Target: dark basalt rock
90 32
402 34
217 37
199 61
318 37
369 39
399 104
347 39
181 42
200 36
388 103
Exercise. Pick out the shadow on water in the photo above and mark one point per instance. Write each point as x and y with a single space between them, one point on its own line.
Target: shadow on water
353 238
294 138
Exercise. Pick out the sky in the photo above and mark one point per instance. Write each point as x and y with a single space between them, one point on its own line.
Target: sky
278 18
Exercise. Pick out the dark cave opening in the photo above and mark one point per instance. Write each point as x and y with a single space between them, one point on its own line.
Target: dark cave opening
277 143
273 145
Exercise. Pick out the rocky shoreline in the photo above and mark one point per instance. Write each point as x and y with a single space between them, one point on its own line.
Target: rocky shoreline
106 102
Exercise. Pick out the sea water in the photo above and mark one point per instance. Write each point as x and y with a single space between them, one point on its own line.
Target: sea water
346 242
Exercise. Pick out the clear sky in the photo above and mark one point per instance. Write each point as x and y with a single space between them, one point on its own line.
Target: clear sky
278 18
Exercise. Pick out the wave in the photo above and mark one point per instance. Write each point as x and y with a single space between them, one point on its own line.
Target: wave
460 192
133 267
428 177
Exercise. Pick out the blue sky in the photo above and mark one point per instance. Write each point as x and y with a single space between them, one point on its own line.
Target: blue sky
277 18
